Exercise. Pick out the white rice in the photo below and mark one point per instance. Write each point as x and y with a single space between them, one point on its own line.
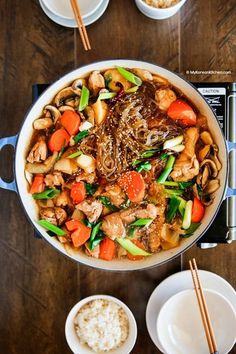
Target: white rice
162 4
102 325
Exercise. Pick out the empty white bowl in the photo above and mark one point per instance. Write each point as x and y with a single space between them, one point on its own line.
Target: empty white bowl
158 13
63 9
73 340
180 328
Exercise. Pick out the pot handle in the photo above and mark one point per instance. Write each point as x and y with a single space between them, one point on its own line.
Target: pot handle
230 192
11 140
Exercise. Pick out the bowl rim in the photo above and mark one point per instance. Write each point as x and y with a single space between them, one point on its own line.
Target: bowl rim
160 9
113 63
88 14
74 310
192 291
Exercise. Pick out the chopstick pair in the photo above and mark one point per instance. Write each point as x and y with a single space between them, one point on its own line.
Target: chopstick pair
203 308
81 26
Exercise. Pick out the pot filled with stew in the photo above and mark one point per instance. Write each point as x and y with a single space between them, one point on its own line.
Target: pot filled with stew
120 165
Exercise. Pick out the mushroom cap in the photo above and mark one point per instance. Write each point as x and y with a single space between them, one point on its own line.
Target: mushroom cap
63 95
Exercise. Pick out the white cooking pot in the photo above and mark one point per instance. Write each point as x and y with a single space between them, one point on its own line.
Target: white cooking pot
21 144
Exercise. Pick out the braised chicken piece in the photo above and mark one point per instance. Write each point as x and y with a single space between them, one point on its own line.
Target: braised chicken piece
115 194
39 152
56 216
164 98
63 199
186 166
87 177
113 226
91 208
130 215
54 179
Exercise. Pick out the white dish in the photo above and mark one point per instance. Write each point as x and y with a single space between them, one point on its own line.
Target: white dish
180 329
63 9
72 23
176 283
157 13
72 338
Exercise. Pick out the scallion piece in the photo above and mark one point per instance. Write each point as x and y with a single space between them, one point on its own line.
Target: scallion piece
184 185
173 191
164 156
170 183
48 226
141 222
81 135
129 246
75 154
187 215
144 166
107 203
168 144
61 151
106 95
130 76
95 231
192 228
84 98
91 188
149 153
182 205
47 194
132 89
96 242
167 170
172 209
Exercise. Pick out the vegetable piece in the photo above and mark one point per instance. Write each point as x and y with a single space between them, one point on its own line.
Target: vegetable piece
178 148
132 89
107 203
193 227
130 76
180 110
38 184
129 246
181 185
47 194
144 166
101 111
115 80
133 184
198 210
70 120
78 192
142 222
91 188
170 183
106 95
167 170
81 135
66 166
149 153
187 215
84 98
182 205
131 256
59 138
61 151
172 209
173 191
73 224
107 249
87 163
168 144
86 125
164 156
80 235
75 154
48 226
96 236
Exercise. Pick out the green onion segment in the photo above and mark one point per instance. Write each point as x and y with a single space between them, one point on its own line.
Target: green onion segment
47 194
187 215
48 226
75 154
168 144
81 135
84 98
130 76
129 246
172 209
167 170
106 95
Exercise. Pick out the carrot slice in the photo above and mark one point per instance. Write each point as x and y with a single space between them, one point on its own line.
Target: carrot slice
58 139
180 110
131 256
133 184
198 210
71 122
78 192
73 224
38 184
80 235
107 249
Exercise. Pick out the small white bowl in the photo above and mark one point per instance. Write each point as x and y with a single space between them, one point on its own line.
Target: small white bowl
180 329
73 340
158 13
63 9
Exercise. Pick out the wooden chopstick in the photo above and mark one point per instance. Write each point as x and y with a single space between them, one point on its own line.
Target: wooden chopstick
203 308
80 24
